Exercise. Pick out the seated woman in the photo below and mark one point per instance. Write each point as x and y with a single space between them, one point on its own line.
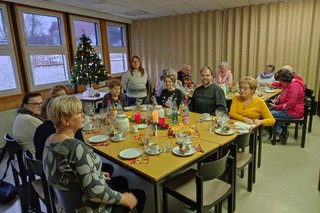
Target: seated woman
114 96
249 108
224 75
27 120
68 163
290 103
170 93
267 77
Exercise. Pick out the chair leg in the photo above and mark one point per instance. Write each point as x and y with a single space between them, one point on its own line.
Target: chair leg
296 131
319 182
230 203
259 147
250 177
304 132
242 173
165 200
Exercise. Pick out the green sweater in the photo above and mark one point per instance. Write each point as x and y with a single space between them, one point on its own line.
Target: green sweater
208 99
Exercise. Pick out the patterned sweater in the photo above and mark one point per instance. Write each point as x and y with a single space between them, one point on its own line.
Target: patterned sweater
70 165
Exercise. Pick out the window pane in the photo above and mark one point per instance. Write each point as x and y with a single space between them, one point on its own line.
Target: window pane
6 73
88 28
42 30
48 69
3 31
118 62
116 36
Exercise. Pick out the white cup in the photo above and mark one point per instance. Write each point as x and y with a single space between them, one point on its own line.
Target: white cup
205 116
143 107
88 126
87 119
153 147
117 135
134 129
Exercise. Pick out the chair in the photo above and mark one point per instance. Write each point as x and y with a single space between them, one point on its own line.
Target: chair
319 182
243 158
201 190
297 121
311 103
19 171
40 186
70 201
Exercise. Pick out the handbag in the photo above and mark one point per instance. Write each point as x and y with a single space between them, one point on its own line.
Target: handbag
7 191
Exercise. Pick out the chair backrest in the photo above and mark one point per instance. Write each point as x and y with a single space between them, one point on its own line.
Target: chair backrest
15 152
69 200
213 169
243 140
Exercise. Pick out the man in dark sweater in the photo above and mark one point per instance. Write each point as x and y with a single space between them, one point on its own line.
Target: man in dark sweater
207 97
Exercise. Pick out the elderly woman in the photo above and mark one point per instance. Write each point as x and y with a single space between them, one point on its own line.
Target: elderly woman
69 163
114 96
27 120
267 77
134 82
249 108
290 103
224 75
170 93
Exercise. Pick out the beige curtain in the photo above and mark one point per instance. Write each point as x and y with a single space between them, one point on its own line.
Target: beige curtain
247 37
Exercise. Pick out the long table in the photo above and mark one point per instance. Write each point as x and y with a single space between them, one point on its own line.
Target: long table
160 167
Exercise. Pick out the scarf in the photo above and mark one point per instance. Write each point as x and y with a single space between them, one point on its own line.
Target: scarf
23 110
266 75
222 77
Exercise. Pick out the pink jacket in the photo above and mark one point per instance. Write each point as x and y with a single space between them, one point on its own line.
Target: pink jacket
291 99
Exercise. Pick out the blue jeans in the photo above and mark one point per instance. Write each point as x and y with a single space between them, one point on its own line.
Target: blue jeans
280 114
132 101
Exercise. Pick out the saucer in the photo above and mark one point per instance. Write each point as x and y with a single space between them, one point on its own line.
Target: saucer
98 138
206 119
117 140
148 151
142 126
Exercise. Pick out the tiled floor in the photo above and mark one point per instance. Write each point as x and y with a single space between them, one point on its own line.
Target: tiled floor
285 183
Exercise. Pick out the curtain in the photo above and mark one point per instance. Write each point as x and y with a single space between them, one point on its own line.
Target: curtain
283 33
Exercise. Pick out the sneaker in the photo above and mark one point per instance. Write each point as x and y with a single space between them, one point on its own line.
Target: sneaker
284 137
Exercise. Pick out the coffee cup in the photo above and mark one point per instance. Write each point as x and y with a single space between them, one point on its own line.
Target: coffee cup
153 147
205 116
87 119
117 136
134 129
143 107
88 126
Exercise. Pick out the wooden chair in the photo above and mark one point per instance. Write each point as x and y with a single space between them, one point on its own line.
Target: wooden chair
201 190
40 186
243 158
299 121
18 170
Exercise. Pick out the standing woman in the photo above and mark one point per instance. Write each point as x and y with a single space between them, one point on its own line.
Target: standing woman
134 81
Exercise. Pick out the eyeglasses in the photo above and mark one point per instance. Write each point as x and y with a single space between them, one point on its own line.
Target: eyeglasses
244 88
35 104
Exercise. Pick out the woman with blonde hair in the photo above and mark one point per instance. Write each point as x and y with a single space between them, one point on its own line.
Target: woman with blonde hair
247 107
70 164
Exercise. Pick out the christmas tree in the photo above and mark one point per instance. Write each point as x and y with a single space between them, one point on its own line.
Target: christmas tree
87 67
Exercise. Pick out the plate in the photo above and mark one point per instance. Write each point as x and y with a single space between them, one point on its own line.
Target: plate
130 153
142 126
153 153
98 138
270 90
230 132
206 119
128 108
117 140
176 151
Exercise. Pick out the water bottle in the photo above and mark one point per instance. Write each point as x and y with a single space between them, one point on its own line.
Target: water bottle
185 113
174 115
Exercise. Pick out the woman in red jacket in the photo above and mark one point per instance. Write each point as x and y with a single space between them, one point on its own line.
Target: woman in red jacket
290 103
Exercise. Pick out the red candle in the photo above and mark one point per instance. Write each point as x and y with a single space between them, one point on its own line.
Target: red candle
162 121
137 117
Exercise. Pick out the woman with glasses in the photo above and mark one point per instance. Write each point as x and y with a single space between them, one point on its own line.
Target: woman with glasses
27 120
171 92
247 107
70 164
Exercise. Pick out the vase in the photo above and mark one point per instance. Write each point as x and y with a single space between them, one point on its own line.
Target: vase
89 92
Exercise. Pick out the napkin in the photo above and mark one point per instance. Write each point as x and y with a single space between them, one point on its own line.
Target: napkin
241 125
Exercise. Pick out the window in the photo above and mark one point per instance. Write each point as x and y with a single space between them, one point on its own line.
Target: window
45 48
8 66
117 48
87 26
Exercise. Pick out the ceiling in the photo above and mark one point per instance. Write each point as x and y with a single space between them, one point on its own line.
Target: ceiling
143 9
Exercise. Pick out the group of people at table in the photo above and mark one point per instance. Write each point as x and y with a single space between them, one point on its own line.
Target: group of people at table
51 129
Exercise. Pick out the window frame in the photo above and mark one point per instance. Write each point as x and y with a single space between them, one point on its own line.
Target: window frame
97 49
122 50
42 50
9 50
